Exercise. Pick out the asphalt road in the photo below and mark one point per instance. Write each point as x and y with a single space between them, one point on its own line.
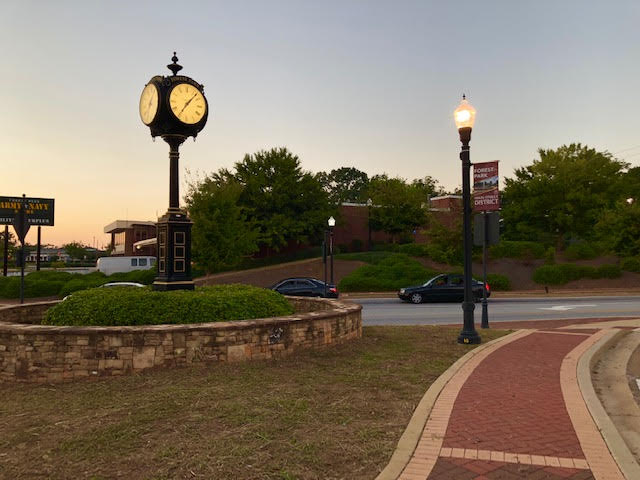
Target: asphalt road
392 311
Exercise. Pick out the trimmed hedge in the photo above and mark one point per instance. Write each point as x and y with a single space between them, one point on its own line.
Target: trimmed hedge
631 264
567 272
50 283
391 273
583 251
143 306
497 282
513 249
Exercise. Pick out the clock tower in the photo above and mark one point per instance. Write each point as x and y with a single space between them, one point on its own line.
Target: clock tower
174 108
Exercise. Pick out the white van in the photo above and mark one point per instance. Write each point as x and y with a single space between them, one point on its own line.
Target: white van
109 265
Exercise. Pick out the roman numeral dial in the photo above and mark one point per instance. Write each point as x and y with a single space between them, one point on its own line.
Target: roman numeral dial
187 103
149 103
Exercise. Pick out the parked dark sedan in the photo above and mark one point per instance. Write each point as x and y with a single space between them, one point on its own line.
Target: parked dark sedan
305 287
443 288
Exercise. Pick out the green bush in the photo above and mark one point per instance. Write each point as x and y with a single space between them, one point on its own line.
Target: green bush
609 271
142 306
145 277
367 257
550 256
631 264
498 282
414 249
390 273
582 251
517 249
567 272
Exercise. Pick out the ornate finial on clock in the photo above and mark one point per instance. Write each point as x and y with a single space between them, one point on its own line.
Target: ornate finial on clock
174 67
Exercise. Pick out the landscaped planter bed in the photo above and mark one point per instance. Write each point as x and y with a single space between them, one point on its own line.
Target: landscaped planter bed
41 353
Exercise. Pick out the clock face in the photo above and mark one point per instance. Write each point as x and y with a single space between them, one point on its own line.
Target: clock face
187 103
149 103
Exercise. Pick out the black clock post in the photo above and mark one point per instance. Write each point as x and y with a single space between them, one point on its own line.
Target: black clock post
174 108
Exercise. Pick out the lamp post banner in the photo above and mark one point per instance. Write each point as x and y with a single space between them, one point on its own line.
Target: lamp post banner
38 211
486 196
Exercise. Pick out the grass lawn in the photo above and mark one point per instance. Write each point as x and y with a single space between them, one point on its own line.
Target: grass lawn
328 414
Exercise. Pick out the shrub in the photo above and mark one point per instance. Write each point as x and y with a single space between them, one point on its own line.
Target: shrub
498 282
630 264
550 256
391 273
567 272
609 271
517 249
368 257
414 249
582 251
142 306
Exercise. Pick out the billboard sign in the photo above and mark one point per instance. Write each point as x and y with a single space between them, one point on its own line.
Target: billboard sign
38 211
486 196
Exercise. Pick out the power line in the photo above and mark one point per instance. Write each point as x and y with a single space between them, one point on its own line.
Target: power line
626 149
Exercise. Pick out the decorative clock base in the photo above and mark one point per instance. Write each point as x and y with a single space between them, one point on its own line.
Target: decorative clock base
174 252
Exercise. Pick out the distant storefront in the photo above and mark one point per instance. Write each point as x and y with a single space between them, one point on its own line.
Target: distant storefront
132 237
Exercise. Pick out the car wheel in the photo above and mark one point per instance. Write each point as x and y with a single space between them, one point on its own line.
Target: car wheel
416 298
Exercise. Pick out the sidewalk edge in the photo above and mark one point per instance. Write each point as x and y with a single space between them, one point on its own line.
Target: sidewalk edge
615 443
412 433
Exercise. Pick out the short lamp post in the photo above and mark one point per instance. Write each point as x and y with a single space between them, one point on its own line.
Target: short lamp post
369 203
464 117
332 223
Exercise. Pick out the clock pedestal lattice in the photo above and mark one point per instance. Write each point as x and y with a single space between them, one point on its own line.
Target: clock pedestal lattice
174 108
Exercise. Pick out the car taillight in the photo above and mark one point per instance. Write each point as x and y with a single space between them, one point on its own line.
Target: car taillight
487 287
333 290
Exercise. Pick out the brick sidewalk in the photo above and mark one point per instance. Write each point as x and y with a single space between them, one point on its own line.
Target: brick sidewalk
515 412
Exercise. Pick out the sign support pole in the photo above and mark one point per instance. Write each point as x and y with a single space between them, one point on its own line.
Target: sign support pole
21 221
6 250
38 250
485 237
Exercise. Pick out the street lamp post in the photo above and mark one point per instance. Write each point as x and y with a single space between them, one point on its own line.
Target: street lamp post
464 117
369 203
332 223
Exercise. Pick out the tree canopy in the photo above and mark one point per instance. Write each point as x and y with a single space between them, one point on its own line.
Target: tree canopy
345 184
562 195
398 207
222 233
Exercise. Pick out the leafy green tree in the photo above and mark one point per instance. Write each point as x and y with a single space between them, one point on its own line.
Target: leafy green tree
222 234
428 187
345 184
398 206
11 245
285 203
619 228
562 195
75 250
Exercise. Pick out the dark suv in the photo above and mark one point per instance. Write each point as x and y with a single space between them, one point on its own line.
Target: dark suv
443 288
305 287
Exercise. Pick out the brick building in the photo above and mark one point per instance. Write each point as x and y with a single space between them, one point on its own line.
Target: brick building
132 237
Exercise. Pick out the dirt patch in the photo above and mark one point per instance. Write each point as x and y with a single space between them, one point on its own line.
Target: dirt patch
267 276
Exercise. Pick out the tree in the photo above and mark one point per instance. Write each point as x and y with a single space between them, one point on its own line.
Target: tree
398 206
222 233
428 187
345 184
75 250
285 203
12 245
562 195
619 228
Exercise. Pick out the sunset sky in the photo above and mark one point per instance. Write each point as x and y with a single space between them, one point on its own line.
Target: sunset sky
365 84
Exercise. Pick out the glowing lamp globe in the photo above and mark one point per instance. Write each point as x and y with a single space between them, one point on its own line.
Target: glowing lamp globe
464 115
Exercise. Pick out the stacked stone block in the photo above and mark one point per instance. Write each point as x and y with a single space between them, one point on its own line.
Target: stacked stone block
40 353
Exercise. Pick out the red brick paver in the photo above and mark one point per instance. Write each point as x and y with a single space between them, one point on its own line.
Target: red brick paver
515 411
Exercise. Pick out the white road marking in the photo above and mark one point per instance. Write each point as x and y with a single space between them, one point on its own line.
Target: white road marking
565 307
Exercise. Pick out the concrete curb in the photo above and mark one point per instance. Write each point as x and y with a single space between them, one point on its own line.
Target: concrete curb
411 436
616 444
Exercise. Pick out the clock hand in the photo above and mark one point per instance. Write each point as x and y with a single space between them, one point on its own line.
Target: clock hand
188 102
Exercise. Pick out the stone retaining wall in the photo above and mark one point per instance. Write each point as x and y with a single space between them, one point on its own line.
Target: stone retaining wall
41 353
